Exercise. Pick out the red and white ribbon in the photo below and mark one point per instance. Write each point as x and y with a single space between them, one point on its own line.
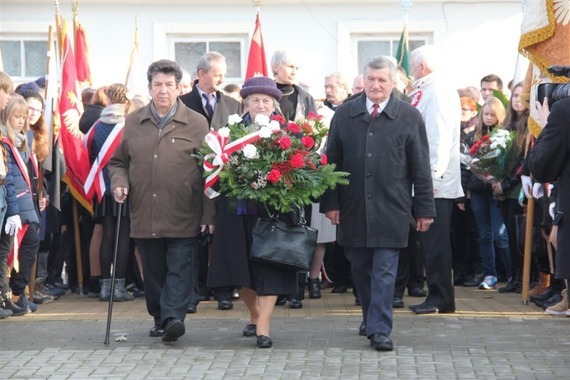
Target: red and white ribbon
214 162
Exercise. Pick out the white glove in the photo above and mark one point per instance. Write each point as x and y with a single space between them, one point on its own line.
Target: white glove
551 208
537 190
526 186
13 224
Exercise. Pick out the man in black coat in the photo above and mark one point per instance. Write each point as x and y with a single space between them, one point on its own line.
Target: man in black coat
550 162
207 99
381 141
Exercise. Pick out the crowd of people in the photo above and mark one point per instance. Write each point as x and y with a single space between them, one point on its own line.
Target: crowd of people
177 247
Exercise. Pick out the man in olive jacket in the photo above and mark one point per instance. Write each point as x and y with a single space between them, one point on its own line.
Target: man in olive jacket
153 165
381 141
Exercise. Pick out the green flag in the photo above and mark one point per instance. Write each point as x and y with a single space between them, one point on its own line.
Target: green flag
403 53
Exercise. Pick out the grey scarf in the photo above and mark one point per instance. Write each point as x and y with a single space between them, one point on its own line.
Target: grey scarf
162 121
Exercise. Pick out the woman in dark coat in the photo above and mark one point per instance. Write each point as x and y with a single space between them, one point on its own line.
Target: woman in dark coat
258 284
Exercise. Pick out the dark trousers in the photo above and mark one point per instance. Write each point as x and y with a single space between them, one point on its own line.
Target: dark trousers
168 265
5 247
465 243
27 256
374 273
410 266
436 250
337 265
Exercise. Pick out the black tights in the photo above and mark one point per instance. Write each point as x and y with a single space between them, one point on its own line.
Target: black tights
108 245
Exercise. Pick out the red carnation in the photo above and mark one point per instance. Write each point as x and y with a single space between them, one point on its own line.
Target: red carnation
297 161
274 176
308 142
280 119
284 142
293 127
324 159
307 128
312 116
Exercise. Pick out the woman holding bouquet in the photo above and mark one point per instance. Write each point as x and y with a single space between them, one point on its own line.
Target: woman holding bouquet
484 203
258 284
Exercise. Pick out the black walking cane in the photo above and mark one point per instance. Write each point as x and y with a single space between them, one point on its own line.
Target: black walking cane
110 310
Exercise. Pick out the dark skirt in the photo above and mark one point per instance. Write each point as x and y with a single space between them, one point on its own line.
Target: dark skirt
109 207
230 264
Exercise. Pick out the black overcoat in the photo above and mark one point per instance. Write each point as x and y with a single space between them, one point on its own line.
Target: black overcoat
549 162
225 106
384 157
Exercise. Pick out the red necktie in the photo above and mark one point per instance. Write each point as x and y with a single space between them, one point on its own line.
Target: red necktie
374 111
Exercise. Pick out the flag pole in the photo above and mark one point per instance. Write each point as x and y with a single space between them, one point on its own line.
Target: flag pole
133 51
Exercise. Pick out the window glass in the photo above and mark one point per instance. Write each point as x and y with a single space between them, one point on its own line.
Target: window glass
35 55
11 57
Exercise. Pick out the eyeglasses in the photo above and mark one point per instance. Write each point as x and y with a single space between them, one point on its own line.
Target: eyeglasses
36 110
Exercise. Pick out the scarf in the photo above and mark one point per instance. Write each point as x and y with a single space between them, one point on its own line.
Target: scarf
162 121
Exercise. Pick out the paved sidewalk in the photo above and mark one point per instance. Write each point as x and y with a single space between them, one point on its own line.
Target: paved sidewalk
492 336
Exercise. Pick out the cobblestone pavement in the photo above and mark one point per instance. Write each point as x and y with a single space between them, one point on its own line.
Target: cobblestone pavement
492 336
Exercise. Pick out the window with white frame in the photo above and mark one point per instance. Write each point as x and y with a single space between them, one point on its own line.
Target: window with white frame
370 45
187 52
24 58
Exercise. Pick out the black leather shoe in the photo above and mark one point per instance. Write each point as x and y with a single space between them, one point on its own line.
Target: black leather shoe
263 341
474 281
295 303
156 331
250 330
173 329
225 305
191 309
424 308
281 300
381 342
314 286
362 329
398 303
417 292
339 289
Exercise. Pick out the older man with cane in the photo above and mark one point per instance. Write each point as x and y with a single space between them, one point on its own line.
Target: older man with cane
153 165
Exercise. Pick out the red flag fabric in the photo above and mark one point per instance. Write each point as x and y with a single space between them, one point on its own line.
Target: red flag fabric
81 54
256 64
71 138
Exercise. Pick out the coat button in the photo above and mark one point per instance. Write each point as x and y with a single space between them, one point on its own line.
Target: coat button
368 175
153 234
154 195
156 155
369 155
369 196
370 134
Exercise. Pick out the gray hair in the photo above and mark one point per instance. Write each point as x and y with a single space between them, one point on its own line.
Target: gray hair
164 66
205 61
245 102
426 54
280 57
339 79
378 63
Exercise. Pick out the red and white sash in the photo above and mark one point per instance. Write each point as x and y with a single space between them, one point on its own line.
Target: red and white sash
13 258
95 183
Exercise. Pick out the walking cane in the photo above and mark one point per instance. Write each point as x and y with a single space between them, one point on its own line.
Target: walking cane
110 310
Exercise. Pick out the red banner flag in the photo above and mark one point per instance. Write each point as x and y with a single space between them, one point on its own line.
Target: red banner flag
71 108
256 64
81 53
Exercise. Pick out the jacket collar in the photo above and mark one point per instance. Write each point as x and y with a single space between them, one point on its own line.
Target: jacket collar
179 116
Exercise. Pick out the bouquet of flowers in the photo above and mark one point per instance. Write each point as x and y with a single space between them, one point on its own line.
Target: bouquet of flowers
493 156
279 167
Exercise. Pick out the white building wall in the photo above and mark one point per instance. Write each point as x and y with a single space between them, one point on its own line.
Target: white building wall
478 38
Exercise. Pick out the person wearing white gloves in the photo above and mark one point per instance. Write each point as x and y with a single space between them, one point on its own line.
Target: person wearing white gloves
22 211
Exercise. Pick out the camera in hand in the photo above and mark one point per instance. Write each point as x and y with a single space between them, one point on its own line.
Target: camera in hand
554 91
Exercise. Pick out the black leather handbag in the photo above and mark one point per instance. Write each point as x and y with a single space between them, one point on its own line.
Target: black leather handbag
276 243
